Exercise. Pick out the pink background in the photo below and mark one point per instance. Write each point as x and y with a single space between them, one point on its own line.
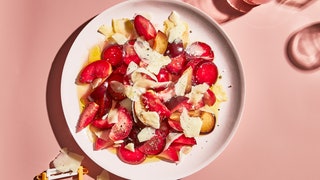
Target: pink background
278 137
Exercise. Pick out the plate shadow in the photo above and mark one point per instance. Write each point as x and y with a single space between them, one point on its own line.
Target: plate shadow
54 107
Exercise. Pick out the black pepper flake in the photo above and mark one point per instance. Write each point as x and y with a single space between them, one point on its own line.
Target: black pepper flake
230 86
220 77
190 31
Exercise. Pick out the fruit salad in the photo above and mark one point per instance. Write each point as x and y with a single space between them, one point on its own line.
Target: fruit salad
149 91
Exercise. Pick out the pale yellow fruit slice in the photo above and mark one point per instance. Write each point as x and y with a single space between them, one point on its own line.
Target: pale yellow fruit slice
124 26
160 42
94 54
208 122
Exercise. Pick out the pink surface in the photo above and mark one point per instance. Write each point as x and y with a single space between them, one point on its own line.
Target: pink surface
278 137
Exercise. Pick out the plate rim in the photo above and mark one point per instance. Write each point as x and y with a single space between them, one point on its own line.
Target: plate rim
221 32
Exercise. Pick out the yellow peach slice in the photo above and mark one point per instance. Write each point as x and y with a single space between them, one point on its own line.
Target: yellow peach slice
94 54
208 122
160 42
176 115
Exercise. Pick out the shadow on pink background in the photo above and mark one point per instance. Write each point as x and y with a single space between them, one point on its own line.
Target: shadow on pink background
55 111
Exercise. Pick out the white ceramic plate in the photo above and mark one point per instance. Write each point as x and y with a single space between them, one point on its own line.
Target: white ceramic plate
203 29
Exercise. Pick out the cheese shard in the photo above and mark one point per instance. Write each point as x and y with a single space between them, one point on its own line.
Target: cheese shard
119 38
191 125
132 67
144 71
154 59
134 92
137 75
106 31
146 133
176 29
150 118
130 147
113 116
197 93
67 161
219 92
174 17
176 32
184 82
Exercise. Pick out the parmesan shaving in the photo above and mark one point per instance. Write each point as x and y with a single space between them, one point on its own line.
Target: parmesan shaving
154 59
119 38
191 125
197 93
151 118
146 133
67 161
130 147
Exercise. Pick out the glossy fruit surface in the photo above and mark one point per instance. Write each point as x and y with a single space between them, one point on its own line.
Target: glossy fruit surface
100 144
87 115
115 86
206 72
96 69
100 96
163 75
177 64
113 54
130 54
153 103
175 48
208 122
144 27
101 124
130 157
200 50
122 128
160 43
153 146
209 98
